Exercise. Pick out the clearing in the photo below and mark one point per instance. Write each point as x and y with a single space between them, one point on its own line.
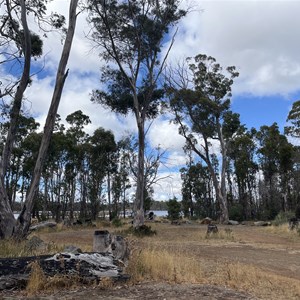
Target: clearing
240 262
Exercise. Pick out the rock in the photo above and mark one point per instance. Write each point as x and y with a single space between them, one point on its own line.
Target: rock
206 221
35 243
262 223
232 222
45 224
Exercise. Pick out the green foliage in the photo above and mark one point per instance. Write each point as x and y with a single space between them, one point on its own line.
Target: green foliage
236 212
174 209
294 119
196 199
283 217
116 222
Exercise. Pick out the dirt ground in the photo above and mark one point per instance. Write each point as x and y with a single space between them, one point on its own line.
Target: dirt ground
273 252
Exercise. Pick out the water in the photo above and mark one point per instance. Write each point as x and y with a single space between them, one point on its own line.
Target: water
160 213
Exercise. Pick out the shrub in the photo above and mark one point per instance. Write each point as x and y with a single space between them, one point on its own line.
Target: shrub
236 212
174 209
283 217
141 231
116 222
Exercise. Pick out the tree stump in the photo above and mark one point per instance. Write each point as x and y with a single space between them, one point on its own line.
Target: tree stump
104 242
211 229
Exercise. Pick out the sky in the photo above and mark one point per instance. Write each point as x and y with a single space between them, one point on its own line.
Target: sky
260 38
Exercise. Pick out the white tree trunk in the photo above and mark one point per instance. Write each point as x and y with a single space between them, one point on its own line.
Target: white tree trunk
23 221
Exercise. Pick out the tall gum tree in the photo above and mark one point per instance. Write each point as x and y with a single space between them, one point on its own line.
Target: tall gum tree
23 221
130 35
202 112
13 32
19 44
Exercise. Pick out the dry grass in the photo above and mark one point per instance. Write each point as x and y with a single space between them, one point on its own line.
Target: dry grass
177 255
11 248
39 283
37 279
174 255
164 266
283 230
256 281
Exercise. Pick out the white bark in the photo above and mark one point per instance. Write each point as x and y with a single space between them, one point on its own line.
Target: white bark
23 221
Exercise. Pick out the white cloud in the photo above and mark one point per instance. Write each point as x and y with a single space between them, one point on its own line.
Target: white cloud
258 37
165 134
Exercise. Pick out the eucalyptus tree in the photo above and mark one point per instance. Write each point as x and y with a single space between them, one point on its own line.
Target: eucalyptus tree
197 196
15 35
102 163
77 168
15 29
243 155
293 119
24 218
153 159
202 112
275 157
26 126
130 35
121 180
292 131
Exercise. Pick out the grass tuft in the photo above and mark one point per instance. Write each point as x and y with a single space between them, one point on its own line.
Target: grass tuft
11 248
37 279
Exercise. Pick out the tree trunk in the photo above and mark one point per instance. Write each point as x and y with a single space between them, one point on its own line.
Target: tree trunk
139 199
23 221
224 217
7 220
109 196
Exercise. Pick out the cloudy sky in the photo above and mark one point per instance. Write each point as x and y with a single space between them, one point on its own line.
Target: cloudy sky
260 38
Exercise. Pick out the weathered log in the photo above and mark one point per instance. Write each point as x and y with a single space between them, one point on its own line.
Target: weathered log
45 224
14 272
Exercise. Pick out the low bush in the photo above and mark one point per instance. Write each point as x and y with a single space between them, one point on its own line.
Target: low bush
283 217
116 222
141 231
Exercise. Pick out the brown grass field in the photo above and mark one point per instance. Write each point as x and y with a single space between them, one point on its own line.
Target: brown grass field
180 261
